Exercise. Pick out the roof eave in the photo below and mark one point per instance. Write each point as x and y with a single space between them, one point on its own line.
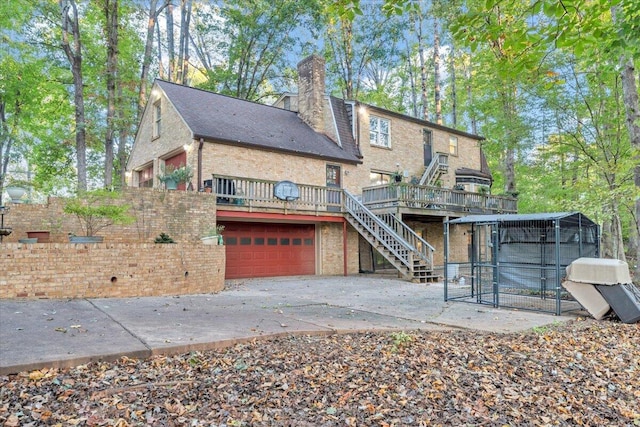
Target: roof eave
424 122
276 150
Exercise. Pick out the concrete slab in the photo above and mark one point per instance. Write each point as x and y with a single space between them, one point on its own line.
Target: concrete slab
187 321
349 319
58 333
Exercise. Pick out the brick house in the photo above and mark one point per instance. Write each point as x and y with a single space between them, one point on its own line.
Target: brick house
315 184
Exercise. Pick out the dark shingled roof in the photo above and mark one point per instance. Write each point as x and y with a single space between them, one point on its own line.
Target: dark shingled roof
220 118
343 124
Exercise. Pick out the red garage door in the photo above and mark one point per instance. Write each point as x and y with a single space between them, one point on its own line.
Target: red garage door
262 250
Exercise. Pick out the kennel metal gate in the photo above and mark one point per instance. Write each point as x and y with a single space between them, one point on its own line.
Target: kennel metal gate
517 260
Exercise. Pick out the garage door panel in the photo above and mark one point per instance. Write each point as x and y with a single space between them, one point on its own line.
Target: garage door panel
264 250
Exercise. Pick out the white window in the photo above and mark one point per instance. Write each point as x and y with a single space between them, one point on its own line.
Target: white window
157 116
453 145
379 134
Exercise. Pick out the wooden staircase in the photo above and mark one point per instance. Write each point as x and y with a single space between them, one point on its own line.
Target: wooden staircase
439 165
411 255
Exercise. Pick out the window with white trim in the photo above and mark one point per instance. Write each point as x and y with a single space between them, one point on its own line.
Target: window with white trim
453 145
379 132
157 117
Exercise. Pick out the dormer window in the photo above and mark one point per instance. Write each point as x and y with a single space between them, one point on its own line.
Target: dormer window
157 117
379 132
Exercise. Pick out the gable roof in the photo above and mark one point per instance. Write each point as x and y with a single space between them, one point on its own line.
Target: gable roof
343 126
224 119
422 122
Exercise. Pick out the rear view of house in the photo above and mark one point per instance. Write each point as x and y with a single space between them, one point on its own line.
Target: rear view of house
316 184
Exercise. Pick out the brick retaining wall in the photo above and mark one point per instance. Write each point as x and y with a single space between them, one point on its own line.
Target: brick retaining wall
184 215
65 270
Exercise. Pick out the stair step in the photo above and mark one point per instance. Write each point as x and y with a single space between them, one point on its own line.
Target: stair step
397 252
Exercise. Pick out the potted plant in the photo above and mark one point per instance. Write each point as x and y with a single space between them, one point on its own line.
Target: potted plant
167 177
95 211
164 238
43 234
214 236
172 176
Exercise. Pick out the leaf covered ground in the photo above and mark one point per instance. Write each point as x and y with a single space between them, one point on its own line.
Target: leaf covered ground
584 372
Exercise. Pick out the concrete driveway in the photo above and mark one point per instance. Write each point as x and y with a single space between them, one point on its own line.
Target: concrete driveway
60 333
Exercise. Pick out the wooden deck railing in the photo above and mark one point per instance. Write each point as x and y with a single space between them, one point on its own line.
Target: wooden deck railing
436 198
256 193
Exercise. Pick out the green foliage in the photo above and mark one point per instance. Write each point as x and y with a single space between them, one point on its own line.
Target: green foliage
181 174
14 182
539 80
97 210
164 238
362 52
400 339
254 39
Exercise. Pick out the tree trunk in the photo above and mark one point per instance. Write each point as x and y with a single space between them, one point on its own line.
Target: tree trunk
5 146
436 72
183 49
510 151
612 243
171 52
454 93
161 71
412 81
71 34
469 81
121 168
632 109
632 112
111 21
146 59
423 71
347 28
510 172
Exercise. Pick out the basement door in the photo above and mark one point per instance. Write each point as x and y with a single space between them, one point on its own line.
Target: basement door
266 249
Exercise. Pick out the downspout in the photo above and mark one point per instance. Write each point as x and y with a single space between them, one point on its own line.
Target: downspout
344 246
200 183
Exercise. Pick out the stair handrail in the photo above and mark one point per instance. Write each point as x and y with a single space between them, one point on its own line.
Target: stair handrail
350 201
430 171
426 251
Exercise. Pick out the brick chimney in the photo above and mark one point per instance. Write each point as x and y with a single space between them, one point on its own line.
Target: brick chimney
311 87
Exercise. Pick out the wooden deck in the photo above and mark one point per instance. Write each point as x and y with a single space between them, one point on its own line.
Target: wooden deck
427 200
249 194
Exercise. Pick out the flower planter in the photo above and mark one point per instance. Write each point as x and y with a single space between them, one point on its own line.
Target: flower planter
28 240
212 240
43 236
15 193
86 239
170 184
